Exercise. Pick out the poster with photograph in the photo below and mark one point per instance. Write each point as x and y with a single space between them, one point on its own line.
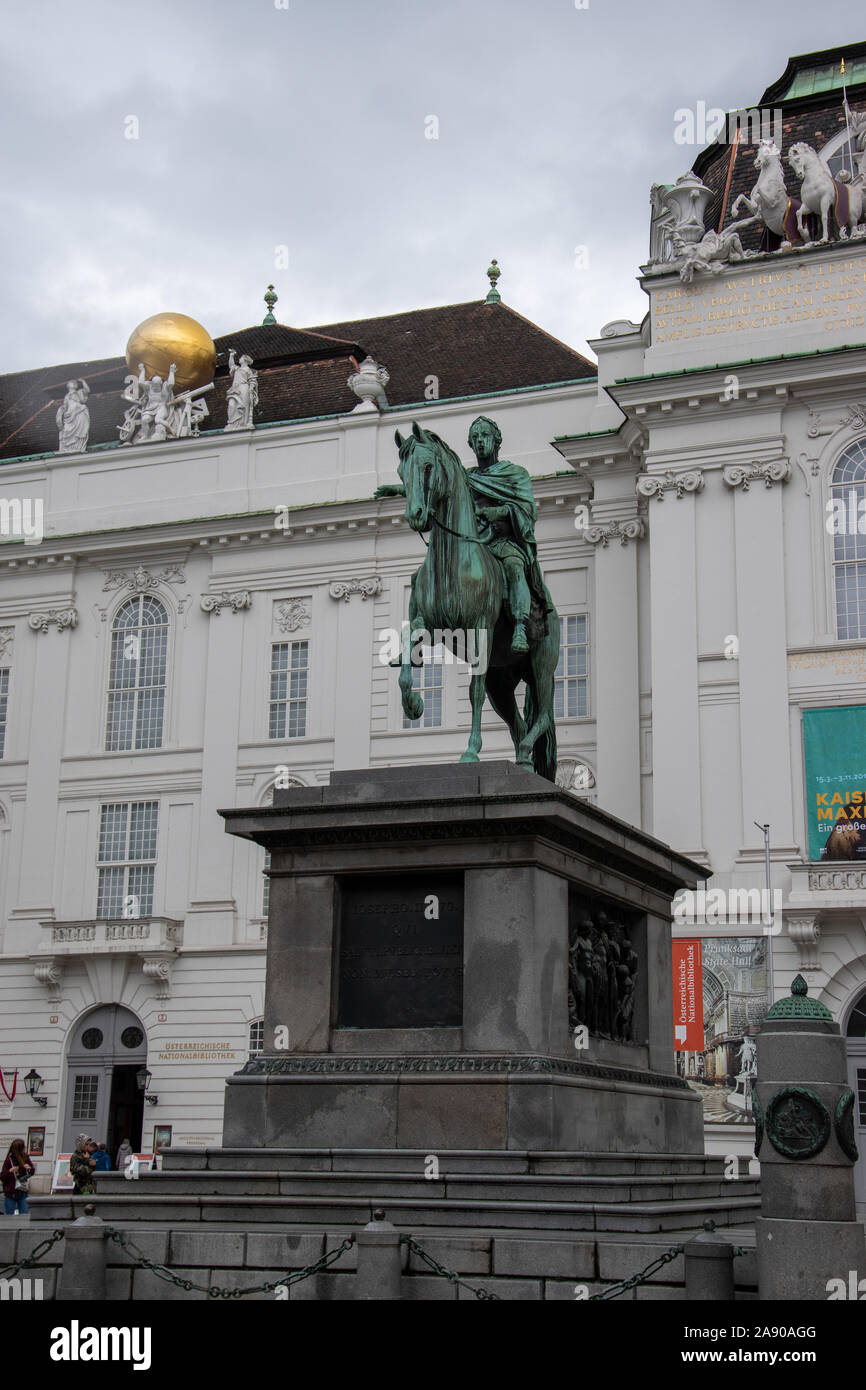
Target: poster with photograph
36 1140
834 746
735 983
161 1138
63 1180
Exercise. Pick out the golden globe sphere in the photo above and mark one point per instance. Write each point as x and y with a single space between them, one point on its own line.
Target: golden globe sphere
166 338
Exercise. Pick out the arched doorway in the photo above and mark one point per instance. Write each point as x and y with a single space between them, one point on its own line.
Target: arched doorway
107 1048
855 1037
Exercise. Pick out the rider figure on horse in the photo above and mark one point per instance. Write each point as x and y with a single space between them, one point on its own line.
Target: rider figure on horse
506 514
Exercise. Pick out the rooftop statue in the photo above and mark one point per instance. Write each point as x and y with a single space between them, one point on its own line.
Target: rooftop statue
243 394
156 413
73 418
822 194
480 585
769 200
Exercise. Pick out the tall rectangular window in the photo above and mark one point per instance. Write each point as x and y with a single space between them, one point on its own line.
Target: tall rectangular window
429 681
288 705
4 703
137 675
127 859
570 698
84 1097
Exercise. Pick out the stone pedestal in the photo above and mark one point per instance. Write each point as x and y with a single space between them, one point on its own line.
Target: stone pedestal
808 1238
418 991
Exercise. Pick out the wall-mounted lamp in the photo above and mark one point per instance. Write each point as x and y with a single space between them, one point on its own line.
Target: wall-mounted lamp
32 1084
143 1078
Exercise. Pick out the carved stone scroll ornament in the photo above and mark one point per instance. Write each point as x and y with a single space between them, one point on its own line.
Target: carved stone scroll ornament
50 973
633 529
805 932
345 588
60 617
158 969
657 484
743 475
214 603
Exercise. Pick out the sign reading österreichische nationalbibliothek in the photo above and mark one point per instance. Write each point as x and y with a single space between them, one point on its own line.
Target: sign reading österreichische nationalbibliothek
760 307
199 1050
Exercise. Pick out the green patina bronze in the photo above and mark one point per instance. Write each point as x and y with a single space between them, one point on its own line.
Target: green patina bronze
480 585
798 1005
843 1122
758 1116
797 1122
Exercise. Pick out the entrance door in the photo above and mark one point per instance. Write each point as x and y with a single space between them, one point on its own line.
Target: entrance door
856 1041
106 1050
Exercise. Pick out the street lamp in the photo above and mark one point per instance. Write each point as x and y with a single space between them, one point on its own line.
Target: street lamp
143 1078
32 1083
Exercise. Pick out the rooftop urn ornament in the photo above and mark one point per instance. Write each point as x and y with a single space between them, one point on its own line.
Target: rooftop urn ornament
688 201
270 299
73 418
368 384
243 394
493 274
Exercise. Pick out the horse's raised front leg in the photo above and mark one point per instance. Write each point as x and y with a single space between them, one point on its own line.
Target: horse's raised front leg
411 700
477 688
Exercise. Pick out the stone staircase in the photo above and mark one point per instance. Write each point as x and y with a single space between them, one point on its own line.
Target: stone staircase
471 1189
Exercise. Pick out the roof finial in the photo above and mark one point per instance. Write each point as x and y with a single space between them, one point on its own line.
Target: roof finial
270 299
493 274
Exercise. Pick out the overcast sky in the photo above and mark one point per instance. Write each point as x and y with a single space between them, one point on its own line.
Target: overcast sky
307 127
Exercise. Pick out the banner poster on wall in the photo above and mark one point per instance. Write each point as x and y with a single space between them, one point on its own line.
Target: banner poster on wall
834 744
718 1059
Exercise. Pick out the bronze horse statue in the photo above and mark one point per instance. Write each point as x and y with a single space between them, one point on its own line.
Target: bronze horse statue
460 589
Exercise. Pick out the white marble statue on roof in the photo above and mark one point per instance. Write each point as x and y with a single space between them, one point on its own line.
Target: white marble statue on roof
243 394
155 413
73 418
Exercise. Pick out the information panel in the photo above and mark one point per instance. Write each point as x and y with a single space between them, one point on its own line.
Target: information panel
401 951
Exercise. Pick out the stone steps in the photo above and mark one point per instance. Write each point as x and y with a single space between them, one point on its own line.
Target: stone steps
414 1161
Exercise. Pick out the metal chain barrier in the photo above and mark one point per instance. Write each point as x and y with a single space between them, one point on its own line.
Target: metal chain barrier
39 1250
615 1290
213 1290
445 1272
625 1284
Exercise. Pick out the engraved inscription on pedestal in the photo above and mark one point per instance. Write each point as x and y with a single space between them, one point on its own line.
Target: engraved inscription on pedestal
401 951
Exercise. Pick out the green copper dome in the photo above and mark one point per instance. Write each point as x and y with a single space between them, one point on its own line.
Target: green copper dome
797 1005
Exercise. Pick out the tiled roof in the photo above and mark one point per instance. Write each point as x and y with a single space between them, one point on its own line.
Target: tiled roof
470 349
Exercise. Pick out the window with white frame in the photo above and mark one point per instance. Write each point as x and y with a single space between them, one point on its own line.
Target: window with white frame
4 704
290 664
257 1037
136 681
848 495
429 681
127 858
570 696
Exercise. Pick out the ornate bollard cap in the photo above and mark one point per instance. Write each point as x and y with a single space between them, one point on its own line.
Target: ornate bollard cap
798 1005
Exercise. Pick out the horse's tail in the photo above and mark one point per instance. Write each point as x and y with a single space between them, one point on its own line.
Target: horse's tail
544 750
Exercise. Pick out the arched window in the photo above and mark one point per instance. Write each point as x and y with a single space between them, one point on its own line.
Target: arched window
848 495
857 1020
136 682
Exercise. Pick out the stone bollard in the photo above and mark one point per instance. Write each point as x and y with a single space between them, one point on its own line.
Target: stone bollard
82 1274
709 1261
808 1235
379 1260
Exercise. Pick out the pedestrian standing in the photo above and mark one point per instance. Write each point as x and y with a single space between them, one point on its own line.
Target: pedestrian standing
16 1173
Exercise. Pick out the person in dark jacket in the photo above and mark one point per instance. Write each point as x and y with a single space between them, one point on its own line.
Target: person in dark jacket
16 1173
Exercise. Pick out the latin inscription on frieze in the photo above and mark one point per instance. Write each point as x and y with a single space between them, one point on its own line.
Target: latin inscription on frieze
401 951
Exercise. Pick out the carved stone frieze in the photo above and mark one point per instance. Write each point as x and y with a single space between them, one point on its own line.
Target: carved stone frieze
291 614
141 580
743 475
345 588
633 529
60 617
451 1063
215 603
657 484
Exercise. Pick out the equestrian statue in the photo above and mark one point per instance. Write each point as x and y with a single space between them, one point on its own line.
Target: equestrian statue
480 585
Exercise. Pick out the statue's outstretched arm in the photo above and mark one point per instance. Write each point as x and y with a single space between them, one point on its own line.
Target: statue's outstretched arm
389 490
